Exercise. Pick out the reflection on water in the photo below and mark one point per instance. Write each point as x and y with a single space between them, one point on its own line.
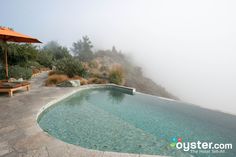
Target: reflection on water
78 99
116 96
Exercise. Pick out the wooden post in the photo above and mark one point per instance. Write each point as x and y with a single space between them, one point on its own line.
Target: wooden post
6 63
10 93
28 87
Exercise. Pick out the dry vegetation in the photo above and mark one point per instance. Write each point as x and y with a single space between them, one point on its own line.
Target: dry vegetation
98 74
54 79
116 75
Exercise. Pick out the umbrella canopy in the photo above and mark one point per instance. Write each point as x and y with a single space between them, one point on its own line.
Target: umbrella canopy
7 34
10 35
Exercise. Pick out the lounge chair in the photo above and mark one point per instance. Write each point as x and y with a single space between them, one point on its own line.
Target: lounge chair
10 87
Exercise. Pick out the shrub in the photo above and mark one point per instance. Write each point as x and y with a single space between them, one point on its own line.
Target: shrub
104 68
77 78
20 53
53 72
55 79
45 69
36 71
83 81
116 75
71 67
31 64
45 59
2 73
93 64
104 75
96 81
18 72
94 73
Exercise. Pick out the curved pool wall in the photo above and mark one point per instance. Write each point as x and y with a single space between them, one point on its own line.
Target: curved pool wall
140 129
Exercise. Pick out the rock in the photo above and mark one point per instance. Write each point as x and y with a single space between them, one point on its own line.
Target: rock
69 83
20 79
12 79
16 80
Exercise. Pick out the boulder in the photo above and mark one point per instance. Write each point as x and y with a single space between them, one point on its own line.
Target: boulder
69 83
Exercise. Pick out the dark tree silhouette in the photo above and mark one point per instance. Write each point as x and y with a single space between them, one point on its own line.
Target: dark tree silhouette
83 49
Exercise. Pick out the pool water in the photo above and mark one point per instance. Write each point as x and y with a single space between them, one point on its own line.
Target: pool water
109 120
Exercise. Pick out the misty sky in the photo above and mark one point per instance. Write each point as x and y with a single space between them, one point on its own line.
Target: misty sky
187 46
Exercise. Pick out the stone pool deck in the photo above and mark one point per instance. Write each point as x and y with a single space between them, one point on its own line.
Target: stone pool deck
20 136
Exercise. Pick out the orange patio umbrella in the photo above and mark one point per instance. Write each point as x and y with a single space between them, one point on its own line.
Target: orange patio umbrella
9 35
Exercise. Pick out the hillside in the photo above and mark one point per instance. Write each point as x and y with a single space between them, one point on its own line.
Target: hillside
133 74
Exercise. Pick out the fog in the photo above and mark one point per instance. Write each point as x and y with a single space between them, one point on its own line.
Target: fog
186 46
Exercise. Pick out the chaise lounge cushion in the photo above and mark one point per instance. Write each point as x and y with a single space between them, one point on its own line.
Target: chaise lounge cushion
9 85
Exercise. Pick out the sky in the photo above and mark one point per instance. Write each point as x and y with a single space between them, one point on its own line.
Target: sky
189 47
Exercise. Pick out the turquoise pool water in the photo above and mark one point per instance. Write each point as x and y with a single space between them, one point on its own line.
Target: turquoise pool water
109 120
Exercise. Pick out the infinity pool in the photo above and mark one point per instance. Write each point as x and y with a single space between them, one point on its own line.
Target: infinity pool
109 120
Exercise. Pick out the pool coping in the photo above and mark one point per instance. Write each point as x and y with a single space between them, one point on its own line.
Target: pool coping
130 90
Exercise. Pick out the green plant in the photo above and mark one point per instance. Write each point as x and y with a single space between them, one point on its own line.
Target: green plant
116 75
20 53
71 67
20 72
45 59
31 64
2 72
17 72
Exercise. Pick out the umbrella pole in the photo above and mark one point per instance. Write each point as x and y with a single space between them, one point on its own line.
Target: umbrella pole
6 63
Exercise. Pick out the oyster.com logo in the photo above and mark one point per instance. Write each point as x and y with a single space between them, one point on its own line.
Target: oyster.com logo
200 147
174 141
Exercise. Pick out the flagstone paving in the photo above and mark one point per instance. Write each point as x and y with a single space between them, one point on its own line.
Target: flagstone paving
20 136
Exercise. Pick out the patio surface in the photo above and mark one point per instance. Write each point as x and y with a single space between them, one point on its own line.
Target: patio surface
20 136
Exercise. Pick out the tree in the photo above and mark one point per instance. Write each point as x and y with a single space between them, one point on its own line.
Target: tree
20 53
114 49
82 49
56 50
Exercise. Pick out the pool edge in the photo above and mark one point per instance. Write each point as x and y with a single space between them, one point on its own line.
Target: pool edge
92 86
